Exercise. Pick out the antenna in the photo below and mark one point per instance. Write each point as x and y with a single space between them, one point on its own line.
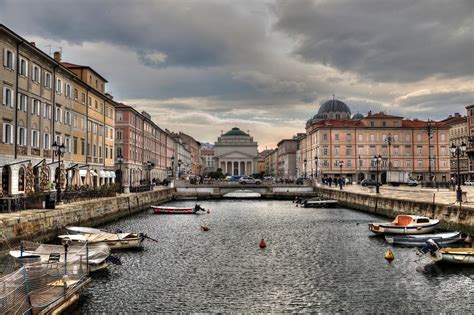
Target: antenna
49 46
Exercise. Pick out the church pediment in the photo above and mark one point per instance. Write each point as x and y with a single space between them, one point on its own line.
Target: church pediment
235 155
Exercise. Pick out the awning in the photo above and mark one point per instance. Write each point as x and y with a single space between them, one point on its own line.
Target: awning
103 174
83 173
112 174
93 173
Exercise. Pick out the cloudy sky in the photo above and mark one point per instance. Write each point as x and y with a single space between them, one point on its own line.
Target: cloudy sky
202 66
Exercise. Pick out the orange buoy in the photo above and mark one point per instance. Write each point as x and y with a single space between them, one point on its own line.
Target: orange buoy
262 243
205 228
468 240
208 210
389 256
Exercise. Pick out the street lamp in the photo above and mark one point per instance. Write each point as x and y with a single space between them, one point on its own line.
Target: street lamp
341 164
358 167
316 162
59 152
120 161
377 160
458 151
305 161
172 166
179 168
389 141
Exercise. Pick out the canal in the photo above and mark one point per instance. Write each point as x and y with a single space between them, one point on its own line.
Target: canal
316 260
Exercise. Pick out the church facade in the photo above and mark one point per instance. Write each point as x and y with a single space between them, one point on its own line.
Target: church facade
236 153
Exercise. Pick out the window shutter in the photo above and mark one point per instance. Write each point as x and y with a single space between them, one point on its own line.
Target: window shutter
12 99
4 135
25 104
33 106
26 68
32 136
4 58
19 101
13 61
4 99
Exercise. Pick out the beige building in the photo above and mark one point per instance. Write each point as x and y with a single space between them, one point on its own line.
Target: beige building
236 153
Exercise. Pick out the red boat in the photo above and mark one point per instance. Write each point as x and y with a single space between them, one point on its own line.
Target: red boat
177 210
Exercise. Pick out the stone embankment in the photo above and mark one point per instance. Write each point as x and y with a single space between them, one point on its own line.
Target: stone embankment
46 224
452 216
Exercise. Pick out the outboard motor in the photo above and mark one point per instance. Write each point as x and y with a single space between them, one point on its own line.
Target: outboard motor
431 247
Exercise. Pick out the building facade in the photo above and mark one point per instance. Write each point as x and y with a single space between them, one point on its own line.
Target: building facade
236 153
458 134
346 147
208 155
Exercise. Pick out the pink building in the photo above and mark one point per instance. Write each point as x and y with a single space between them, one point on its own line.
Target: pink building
347 146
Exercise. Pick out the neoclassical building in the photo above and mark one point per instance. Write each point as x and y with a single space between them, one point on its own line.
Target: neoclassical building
236 153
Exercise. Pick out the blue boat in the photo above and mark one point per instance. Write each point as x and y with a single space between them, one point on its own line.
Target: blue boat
420 240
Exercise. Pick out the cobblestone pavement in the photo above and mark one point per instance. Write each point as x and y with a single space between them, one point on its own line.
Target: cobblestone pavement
442 195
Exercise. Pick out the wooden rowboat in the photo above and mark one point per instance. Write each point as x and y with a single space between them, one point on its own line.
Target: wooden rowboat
449 255
113 240
420 240
177 210
405 224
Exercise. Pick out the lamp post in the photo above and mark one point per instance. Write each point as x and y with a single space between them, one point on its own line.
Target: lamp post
172 166
179 168
389 141
377 160
341 164
358 167
457 152
59 152
148 167
120 161
305 161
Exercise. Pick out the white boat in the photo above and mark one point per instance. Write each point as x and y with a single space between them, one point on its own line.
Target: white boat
113 240
421 239
319 203
96 256
83 230
405 224
450 255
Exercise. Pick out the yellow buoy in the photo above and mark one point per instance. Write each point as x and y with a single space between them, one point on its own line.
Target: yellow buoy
389 256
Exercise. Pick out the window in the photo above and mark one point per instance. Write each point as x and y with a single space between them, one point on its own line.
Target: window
111 133
74 120
90 101
396 163
59 86
349 163
372 124
384 124
106 151
68 90
443 137
119 117
7 97
101 108
372 151
384 138
94 149
348 150
407 164
106 132
349 137
68 118
336 136
111 113
47 80
395 124
35 76
395 138
83 98
111 150
361 163
34 138
96 104
443 163
74 145
47 141
96 84
336 149
361 150
395 150
22 102
100 151
58 139
58 115
419 150
83 123
21 179
8 59
407 137
21 136
119 135
361 137
418 137
443 150
420 163
68 144
372 137
7 134
407 150
23 67
83 146
106 110
35 107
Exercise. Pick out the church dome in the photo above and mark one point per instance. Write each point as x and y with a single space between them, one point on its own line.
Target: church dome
358 116
333 106
235 132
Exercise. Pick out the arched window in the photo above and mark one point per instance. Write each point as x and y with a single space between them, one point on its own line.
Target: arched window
21 179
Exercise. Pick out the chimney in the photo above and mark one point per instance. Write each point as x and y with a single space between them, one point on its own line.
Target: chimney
57 56
369 113
33 44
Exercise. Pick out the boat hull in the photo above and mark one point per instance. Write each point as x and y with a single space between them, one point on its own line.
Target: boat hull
394 229
458 256
172 210
320 204
419 241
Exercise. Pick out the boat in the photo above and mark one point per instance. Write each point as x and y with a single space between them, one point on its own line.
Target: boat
177 210
420 240
95 256
113 240
405 224
319 203
83 230
449 255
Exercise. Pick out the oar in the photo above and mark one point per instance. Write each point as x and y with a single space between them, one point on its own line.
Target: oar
151 239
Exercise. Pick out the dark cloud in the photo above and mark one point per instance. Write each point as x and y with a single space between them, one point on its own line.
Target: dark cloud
390 41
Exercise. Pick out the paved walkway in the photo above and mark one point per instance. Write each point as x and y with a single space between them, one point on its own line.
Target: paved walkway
442 195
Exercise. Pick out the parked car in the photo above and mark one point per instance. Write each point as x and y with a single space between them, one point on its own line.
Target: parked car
469 182
249 180
299 181
412 182
235 178
368 182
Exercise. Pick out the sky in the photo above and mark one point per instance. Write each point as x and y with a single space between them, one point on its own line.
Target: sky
205 66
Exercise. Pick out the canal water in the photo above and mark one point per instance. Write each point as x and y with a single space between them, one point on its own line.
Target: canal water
316 260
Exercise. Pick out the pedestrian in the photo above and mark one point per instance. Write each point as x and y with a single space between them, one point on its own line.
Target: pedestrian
330 181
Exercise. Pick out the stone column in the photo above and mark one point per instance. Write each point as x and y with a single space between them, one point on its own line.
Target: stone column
238 167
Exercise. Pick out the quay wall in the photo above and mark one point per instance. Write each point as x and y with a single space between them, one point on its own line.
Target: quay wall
452 217
45 224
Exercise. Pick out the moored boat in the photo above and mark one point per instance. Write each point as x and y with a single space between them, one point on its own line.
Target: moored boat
405 224
450 255
421 239
177 210
319 203
113 240
93 258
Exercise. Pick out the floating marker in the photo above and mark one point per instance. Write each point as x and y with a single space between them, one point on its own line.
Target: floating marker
389 256
205 228
262 243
